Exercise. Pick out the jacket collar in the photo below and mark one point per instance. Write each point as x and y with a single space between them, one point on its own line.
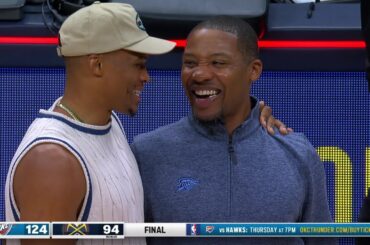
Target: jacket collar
216 130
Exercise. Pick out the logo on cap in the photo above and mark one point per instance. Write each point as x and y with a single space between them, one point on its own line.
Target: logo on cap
139 23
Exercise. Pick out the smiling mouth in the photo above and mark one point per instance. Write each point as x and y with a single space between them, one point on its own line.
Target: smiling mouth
137 93
206 93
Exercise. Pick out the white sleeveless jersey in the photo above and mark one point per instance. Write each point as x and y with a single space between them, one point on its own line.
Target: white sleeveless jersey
114 189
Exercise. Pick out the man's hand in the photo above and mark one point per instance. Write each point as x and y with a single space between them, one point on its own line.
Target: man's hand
268 121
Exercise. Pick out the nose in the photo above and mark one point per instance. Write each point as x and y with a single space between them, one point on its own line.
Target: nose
202 73
144 77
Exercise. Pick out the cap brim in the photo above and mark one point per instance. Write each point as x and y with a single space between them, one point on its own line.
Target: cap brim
152 45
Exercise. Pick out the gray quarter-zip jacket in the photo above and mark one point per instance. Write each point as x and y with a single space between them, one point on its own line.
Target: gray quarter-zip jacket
194 172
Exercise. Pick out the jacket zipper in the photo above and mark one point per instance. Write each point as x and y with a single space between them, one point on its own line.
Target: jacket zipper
232 156
232 160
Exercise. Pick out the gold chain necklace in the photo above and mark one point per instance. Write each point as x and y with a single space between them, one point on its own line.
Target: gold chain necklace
69 111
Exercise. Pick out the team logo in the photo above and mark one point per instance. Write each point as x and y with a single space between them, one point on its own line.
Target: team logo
139 23
76 229
186 184
4 229
192 229
209 228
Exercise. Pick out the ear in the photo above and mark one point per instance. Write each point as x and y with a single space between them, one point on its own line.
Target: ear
95 64
256 69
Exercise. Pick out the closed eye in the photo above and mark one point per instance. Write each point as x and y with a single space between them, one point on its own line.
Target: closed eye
140 66
218 63
189 63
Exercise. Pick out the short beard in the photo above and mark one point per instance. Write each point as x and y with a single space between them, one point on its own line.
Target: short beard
210 122
131 113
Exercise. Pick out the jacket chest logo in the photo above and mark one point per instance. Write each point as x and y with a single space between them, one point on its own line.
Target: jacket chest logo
186 184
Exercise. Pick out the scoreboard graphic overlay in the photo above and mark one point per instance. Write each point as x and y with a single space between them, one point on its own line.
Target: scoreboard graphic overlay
88 230
120 230
27 230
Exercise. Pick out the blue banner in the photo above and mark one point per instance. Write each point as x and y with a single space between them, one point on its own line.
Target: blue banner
280 229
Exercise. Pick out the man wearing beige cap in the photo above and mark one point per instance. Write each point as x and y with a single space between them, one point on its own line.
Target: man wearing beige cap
74 163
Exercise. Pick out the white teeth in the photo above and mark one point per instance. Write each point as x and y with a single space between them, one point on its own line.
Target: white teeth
205 92
137 92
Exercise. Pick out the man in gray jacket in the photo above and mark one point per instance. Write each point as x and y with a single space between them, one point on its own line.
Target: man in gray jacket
218 164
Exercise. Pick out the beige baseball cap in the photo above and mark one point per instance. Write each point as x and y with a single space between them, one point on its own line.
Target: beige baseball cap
105 27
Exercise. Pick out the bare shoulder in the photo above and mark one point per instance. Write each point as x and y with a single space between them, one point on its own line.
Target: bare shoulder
49 184
48 159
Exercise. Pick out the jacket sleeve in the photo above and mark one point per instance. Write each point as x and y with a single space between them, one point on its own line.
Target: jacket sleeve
316 207
364 217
